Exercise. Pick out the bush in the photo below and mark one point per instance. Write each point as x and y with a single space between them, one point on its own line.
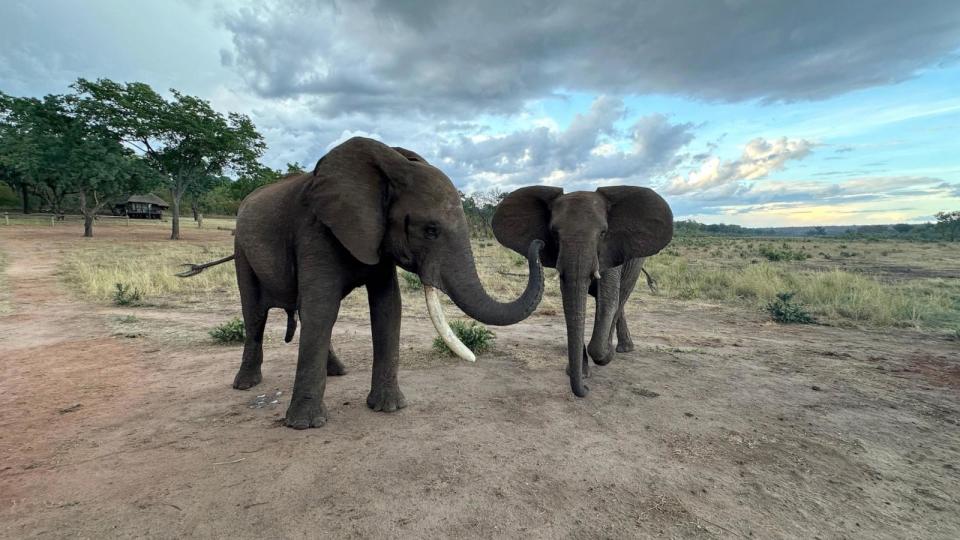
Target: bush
125 295
477 337
411 280
785 310
783 254
229 332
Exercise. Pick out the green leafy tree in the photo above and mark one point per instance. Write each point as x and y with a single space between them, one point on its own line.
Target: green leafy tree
948 224
184 139
61 152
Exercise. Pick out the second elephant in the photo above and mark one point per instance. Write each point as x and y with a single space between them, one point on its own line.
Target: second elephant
597 241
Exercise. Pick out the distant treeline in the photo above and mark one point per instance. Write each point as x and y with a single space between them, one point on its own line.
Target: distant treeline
946 227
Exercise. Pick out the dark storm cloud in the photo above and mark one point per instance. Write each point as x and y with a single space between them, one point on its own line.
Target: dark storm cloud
458 57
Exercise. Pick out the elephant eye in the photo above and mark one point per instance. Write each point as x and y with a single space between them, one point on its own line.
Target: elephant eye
431 231
603 233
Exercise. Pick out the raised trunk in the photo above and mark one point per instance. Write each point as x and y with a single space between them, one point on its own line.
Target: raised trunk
463 286
573 290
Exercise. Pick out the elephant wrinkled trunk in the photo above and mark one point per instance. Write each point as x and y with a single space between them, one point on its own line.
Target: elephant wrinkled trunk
573 290
463 286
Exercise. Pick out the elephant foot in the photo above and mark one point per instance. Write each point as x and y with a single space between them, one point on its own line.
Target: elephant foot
247 378
603 361
625 346
387 399
306 412
335 367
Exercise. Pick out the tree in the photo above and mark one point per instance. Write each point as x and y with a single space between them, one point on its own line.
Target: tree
187 142
59 152
948 224
28 135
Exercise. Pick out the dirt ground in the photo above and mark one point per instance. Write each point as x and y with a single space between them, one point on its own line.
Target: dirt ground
719 424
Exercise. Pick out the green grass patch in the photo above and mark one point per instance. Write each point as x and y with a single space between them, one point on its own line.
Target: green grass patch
411 281
477 337
229 332
785 310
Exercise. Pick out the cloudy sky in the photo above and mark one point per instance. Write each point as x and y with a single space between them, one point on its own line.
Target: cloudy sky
756 112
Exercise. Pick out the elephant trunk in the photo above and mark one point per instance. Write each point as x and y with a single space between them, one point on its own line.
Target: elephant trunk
573 289
577 267
463 286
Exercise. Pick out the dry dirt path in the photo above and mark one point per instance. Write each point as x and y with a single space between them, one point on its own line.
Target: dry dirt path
720 424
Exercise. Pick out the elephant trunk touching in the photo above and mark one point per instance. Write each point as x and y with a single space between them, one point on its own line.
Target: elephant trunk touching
463 286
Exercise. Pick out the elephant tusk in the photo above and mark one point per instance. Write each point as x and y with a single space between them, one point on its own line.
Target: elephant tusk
443 329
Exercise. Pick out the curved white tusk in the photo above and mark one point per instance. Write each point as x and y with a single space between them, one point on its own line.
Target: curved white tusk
596 274
443 329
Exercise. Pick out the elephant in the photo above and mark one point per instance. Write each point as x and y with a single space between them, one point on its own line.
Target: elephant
303 243
597 241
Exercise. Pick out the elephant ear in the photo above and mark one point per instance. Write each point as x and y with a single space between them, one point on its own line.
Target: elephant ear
348 192
524 216
639 224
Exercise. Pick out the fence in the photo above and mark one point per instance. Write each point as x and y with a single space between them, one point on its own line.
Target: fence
213 222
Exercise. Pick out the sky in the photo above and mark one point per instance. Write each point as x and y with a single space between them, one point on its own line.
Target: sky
754 112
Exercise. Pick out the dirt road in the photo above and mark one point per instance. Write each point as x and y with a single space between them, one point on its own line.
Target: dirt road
720 424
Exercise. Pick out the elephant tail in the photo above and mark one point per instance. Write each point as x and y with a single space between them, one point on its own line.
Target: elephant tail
291 326
652 283
194 269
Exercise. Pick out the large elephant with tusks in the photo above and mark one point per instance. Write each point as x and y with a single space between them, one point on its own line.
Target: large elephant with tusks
302 244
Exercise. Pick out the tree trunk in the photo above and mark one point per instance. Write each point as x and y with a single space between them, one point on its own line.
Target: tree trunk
193 207
175 212
26 198
87 216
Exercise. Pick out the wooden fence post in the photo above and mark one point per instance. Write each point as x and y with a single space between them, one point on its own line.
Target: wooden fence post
53 220
6 217
127 219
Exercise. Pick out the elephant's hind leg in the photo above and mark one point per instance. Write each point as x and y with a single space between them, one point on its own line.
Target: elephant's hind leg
631 272
624 341
254 321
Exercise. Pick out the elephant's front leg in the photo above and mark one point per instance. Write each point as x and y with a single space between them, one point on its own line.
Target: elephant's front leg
608 295
317 315
383 293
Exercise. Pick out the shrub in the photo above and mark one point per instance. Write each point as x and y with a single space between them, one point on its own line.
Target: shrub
411 280
229 332
477 337
785 310
783 254
125 295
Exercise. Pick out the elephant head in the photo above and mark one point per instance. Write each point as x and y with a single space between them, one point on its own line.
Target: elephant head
388 204
584 234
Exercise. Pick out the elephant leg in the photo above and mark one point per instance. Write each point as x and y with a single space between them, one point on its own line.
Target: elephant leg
334 365
631 272
317 316
383 293
585 365
254 321
624 342
608 295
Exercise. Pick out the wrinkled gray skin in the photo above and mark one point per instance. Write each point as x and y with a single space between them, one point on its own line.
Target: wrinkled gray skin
606 233
304 243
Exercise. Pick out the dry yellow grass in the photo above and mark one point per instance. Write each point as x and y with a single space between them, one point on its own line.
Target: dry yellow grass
840 282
